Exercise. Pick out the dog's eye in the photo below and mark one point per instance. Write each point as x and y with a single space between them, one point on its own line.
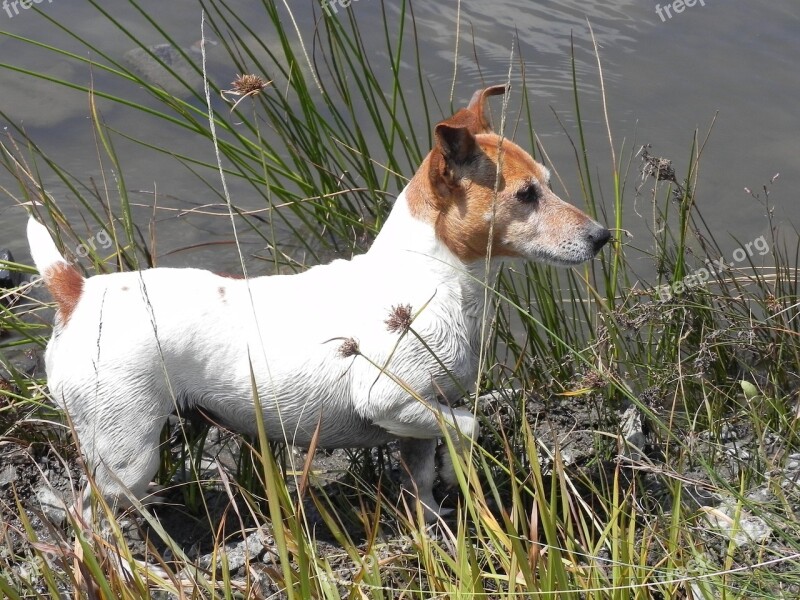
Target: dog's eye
530 193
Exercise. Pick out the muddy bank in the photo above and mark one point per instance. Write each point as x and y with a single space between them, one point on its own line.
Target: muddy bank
592 443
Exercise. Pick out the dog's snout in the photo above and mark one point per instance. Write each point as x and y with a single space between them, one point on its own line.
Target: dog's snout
598 236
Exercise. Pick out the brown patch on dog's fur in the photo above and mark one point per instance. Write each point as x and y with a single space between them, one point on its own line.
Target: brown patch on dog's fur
229 275
456 189
460 202
66 286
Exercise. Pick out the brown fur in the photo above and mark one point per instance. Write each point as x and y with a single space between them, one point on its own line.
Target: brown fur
66 286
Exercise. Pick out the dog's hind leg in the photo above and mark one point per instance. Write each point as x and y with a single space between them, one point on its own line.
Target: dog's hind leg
120 443
419 466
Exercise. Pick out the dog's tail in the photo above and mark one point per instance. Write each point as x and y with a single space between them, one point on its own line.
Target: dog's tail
63 280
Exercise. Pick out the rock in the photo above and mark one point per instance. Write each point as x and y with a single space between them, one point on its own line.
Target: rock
793 463
8 475
237 555
761 495
52 505
8 278
749 529
37 102
633 433
504 395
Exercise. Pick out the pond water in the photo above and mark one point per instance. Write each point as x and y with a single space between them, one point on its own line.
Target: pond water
669 68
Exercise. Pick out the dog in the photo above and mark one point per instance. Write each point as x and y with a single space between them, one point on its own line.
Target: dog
354 353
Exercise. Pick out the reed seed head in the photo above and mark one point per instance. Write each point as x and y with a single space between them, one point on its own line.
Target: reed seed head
400 318
348 348
248 85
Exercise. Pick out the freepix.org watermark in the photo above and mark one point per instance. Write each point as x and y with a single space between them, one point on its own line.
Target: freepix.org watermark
676 8
11 7
712 268
99 240
327 5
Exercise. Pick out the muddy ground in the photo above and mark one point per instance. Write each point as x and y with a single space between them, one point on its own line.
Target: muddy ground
41 476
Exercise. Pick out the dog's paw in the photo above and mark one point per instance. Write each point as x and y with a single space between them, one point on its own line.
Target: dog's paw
153 495
432 511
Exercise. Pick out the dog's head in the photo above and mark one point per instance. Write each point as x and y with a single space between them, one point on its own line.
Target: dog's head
481 191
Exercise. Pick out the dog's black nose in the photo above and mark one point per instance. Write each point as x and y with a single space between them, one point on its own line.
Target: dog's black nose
599 236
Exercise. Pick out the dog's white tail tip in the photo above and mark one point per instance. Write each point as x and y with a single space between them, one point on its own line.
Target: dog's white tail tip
62 279
43 248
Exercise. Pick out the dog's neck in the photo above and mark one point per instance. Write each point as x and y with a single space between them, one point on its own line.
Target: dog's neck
414 241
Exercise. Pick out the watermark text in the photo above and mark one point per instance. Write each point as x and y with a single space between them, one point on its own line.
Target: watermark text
11 7
330 5
713 267
675 8
100 240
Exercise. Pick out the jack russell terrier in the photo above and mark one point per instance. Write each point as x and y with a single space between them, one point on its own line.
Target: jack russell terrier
350 354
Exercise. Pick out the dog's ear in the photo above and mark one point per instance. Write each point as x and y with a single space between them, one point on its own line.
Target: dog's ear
455 142
475 117
455 146
477 107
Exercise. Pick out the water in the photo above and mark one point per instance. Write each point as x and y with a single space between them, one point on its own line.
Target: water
665 76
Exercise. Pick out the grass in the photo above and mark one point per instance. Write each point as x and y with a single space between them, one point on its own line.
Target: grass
544 511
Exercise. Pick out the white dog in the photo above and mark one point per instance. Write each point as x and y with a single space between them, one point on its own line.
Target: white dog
356 353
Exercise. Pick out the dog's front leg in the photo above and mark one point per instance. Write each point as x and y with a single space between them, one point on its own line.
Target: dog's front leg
419 425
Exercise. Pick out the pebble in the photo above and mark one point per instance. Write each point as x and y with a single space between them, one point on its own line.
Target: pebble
237 555
738 453
727 433
8 278
8 475
749 529
52 505
566 457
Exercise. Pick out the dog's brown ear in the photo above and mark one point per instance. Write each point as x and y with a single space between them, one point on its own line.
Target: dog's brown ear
477 106
456 143
475 117
454 146
455 137
455 140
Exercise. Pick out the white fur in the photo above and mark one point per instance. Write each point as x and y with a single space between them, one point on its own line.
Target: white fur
43 250
141 343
